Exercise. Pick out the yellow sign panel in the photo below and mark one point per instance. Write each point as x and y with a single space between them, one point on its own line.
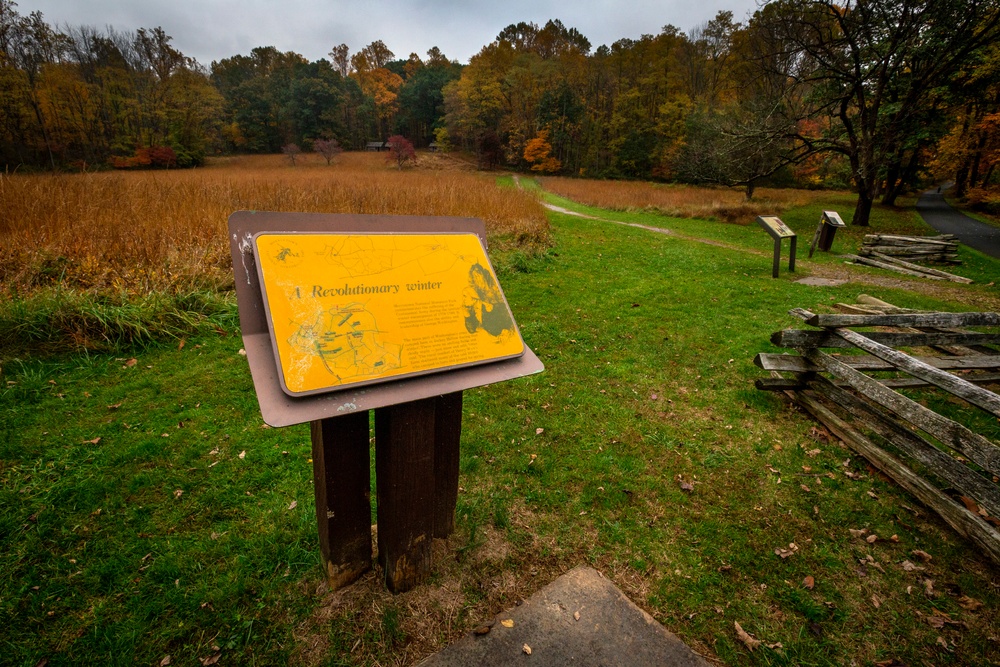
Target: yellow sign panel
352 309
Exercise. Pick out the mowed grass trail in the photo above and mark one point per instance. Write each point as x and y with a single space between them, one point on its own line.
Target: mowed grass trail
146 511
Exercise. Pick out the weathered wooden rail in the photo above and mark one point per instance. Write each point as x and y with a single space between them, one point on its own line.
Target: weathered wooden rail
867 413
943 248
898 253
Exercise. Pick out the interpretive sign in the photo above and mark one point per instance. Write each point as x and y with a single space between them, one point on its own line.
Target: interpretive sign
343 316
355 309
775 227
778 231
829 223
833 219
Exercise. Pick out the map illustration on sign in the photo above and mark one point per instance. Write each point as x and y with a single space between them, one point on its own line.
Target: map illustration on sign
347 309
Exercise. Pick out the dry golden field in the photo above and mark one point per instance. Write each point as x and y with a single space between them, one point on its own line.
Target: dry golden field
138 232
680 201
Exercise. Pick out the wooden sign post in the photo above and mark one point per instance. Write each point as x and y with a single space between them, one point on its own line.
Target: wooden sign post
344 314
825 231
778 231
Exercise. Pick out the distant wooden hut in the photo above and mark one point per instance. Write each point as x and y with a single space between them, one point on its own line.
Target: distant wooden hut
375 146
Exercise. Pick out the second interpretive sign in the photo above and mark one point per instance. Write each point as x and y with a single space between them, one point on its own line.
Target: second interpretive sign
353 309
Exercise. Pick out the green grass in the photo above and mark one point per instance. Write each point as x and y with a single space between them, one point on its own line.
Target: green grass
648 342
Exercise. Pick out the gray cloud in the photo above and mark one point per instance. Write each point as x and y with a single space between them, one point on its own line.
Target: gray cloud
214 29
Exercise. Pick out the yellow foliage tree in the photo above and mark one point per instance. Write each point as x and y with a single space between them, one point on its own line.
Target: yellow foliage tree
538 151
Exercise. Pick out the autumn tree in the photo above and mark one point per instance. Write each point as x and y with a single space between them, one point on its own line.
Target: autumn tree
341 57
292 152
328 148
537 153
401 151
378 83
874 65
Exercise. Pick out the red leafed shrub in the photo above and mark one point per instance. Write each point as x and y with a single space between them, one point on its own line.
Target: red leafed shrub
157 157
163 156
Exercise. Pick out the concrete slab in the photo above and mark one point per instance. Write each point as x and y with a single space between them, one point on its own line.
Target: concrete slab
821 282
611 631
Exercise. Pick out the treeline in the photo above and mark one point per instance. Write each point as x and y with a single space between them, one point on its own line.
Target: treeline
870 94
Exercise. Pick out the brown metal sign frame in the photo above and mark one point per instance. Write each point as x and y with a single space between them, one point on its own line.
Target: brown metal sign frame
279 409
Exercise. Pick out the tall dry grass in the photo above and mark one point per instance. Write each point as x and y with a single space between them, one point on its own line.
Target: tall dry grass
726 204
165 231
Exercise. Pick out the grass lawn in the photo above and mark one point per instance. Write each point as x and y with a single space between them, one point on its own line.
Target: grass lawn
146 511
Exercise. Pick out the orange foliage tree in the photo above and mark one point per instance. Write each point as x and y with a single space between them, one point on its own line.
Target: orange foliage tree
538 153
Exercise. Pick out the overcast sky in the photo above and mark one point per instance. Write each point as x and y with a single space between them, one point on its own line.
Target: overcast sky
214 29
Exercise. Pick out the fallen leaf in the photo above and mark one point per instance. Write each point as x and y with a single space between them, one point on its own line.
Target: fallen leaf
742 635
180 345
165 661
936 622
685 486
969 604
211 660
922 555
115 406
576 616
242 352
804 488
507 622
178 493
539 431
785 553
858 533
130 363
243 454
894 538
929 588
943 642
871 539
526 649
813 452
809 582
876 602
908 566
91 442
294 504
481 630
872 494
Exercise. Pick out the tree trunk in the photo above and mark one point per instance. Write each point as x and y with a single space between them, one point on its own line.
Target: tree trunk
989 174
751 186
901 178
892 176
863 209
976 160
962 178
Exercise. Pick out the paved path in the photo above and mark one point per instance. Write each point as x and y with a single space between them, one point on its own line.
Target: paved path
937 213
579 620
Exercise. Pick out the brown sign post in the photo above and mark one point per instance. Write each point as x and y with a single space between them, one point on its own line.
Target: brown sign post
829 223
346 314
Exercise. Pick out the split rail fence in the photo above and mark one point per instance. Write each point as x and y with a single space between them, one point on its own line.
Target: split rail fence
960 467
